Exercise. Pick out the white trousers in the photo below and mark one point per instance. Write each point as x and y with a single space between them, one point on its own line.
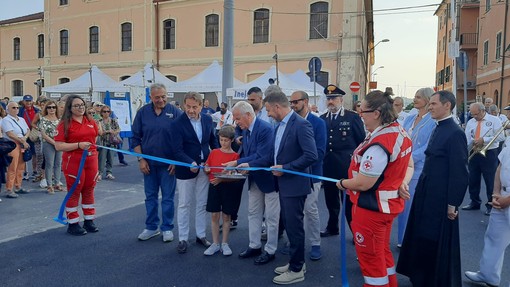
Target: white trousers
311 220
258 203
197 187
496 240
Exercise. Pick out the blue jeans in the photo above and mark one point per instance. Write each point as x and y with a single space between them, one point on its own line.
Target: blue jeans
156 179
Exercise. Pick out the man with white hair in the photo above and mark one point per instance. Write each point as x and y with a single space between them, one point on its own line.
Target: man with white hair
480 130
398 105
258 136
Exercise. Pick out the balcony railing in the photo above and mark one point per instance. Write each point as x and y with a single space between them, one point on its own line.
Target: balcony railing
469 39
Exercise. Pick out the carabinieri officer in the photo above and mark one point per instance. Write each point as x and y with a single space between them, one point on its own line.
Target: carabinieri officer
345 132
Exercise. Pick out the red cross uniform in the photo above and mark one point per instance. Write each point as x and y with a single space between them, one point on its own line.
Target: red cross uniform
384 155
86 131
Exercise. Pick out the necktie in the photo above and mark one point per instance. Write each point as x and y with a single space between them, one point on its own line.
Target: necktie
248 136
478 130
222 119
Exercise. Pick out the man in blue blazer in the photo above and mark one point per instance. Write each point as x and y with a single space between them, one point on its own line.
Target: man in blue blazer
299 102
257 141
294 149
193 139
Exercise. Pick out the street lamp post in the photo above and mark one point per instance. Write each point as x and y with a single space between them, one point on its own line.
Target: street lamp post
380 67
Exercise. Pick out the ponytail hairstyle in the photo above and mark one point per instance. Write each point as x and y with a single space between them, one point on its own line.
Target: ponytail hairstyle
382 102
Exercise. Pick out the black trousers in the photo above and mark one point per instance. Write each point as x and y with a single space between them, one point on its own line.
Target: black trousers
333 198
486 166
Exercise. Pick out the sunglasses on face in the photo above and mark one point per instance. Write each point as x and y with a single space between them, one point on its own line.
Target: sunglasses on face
296 101
51 107
106 112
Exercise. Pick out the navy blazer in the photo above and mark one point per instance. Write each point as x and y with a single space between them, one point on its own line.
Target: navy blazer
297 152
319 133
187 148
255 153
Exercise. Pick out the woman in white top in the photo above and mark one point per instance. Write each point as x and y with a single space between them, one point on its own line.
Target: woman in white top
15 129
48 123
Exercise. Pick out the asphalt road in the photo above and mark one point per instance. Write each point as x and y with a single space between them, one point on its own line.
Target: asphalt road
36 251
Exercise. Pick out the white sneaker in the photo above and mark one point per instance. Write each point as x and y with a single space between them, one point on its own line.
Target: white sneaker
282 269
225 249
43 183
289 277
147 234
215 247
168 236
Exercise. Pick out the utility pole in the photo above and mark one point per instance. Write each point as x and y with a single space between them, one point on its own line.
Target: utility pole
228 49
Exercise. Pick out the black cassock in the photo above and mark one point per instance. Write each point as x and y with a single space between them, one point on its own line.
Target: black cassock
430 254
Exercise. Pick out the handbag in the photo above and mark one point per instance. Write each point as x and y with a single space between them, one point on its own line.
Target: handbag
34 135
115 140
27 155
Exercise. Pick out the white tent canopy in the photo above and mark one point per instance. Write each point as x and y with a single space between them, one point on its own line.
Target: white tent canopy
286 83
82 85
301 77
148 76
207 81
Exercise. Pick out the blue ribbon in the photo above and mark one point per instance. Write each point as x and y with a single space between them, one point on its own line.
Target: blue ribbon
345 282
60 217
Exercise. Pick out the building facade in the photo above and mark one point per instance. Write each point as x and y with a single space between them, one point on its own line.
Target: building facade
181 38
482 35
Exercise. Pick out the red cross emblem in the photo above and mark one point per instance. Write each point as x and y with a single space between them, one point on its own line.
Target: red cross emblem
367 165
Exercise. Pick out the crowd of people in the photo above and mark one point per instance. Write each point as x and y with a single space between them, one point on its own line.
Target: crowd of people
32 125
389 164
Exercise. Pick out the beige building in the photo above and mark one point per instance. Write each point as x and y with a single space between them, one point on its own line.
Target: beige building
181 38
482 33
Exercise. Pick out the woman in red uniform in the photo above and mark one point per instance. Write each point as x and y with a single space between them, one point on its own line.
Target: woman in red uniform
77 132
380 166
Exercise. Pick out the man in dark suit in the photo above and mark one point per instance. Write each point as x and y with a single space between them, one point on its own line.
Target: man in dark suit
263 199
299 102
345 133
294 149
193 136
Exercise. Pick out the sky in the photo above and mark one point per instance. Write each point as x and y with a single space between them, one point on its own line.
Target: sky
408 58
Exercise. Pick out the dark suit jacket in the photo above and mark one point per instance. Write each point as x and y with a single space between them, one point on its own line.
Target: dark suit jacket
255 153
187 148
297 152
319 133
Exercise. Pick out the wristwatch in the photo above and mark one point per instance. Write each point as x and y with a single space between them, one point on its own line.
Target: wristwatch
139 158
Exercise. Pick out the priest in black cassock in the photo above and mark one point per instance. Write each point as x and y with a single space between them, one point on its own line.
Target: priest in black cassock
430 254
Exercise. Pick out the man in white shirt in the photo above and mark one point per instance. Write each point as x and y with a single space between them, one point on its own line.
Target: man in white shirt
480 130
222 117
398 105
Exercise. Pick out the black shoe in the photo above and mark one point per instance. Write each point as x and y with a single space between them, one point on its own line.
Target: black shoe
203 241
327 233
90 226
123 162
264 258
182 247
75 229
250 252
233 224
488 211
471 206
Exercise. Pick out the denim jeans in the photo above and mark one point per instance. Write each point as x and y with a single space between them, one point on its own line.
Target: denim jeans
156 179
53 159
105 160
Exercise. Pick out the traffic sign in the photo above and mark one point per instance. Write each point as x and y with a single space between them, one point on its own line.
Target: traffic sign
315 65
355 86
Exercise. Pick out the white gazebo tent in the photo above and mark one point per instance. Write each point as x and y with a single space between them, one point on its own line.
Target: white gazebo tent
301 77
91 85
285 82
148 76
206 82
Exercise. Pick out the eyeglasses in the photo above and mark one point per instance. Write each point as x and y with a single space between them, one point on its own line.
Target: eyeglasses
15 108
367 111
80 106
358 106
51 107
106 112
92 113
296 101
